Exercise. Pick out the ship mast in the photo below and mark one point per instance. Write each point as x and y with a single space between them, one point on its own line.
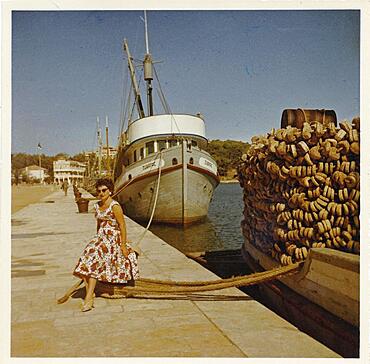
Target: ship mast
148 69
100 145
106 135
148 74
131 67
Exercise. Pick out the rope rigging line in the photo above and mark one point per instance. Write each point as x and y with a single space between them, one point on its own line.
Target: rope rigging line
136 244
160 92
155 199
125 97
166 106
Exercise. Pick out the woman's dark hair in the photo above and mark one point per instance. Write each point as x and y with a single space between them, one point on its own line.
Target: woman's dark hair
105 182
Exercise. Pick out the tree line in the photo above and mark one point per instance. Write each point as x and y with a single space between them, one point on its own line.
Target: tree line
226 153
22 160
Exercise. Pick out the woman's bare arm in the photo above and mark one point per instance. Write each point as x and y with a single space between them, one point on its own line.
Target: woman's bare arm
118 214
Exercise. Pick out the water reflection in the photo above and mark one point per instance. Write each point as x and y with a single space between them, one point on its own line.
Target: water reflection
194 238
221 229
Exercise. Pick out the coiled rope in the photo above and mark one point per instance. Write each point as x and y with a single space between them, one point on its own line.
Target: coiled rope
145 287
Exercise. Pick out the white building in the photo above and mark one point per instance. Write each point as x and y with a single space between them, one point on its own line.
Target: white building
72 171
35 172
104 152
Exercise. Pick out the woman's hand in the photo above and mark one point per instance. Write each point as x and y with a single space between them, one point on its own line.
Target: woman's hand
124 250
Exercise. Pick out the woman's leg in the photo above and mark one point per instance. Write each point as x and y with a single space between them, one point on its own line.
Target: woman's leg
86 285
90 289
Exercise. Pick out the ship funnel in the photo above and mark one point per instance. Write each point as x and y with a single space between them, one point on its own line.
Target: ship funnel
148 68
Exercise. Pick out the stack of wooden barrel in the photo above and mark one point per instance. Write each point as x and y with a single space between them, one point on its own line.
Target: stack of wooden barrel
302 189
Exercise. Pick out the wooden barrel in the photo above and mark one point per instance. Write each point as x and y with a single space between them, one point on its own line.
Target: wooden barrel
296 117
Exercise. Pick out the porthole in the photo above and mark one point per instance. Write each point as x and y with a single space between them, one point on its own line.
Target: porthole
191 160
174 161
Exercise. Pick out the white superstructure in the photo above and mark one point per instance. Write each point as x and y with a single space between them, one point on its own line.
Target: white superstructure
180 124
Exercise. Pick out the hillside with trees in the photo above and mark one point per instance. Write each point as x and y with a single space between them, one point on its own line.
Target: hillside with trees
227 154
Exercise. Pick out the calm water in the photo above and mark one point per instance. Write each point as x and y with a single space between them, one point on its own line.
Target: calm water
220 231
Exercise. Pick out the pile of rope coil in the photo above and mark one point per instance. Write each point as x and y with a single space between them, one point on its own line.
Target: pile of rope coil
302 190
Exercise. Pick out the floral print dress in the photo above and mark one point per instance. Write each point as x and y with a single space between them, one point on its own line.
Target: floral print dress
102 258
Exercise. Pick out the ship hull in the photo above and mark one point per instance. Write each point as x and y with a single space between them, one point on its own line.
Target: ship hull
322 299
184 194
329 278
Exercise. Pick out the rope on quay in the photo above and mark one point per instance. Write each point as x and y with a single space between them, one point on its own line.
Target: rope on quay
145 286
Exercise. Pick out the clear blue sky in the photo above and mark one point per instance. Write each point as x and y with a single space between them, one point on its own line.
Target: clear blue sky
240 69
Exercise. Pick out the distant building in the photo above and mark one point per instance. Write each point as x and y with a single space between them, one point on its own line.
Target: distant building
112 152
34 172
72 171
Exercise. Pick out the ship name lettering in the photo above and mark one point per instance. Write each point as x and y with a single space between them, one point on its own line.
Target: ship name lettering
149 165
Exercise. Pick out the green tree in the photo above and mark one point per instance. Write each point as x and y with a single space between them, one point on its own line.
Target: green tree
61 156
21 160
227 154
80 157
17 175
25 178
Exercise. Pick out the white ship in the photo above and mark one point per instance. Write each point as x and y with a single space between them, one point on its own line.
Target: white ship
162 171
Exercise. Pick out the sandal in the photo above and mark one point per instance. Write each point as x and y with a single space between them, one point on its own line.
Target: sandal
87 306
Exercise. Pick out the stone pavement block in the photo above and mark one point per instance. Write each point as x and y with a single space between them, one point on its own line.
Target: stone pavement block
155 344
180 323
159 314
86 342
32 338
147 304
26 346
245 330
186 331
90 317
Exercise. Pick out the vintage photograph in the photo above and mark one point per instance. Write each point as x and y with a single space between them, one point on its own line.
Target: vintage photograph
185 183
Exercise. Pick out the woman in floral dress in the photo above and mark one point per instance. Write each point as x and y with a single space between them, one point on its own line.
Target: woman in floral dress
107 257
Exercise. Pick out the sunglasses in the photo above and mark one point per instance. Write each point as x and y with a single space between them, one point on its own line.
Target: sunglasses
102 190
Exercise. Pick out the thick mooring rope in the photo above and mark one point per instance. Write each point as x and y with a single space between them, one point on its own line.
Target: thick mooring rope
145 286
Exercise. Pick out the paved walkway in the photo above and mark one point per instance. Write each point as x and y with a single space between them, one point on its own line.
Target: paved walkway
47 238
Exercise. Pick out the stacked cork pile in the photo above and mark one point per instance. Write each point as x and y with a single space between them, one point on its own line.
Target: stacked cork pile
302 190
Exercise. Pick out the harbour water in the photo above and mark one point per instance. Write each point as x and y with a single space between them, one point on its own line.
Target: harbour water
221 229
